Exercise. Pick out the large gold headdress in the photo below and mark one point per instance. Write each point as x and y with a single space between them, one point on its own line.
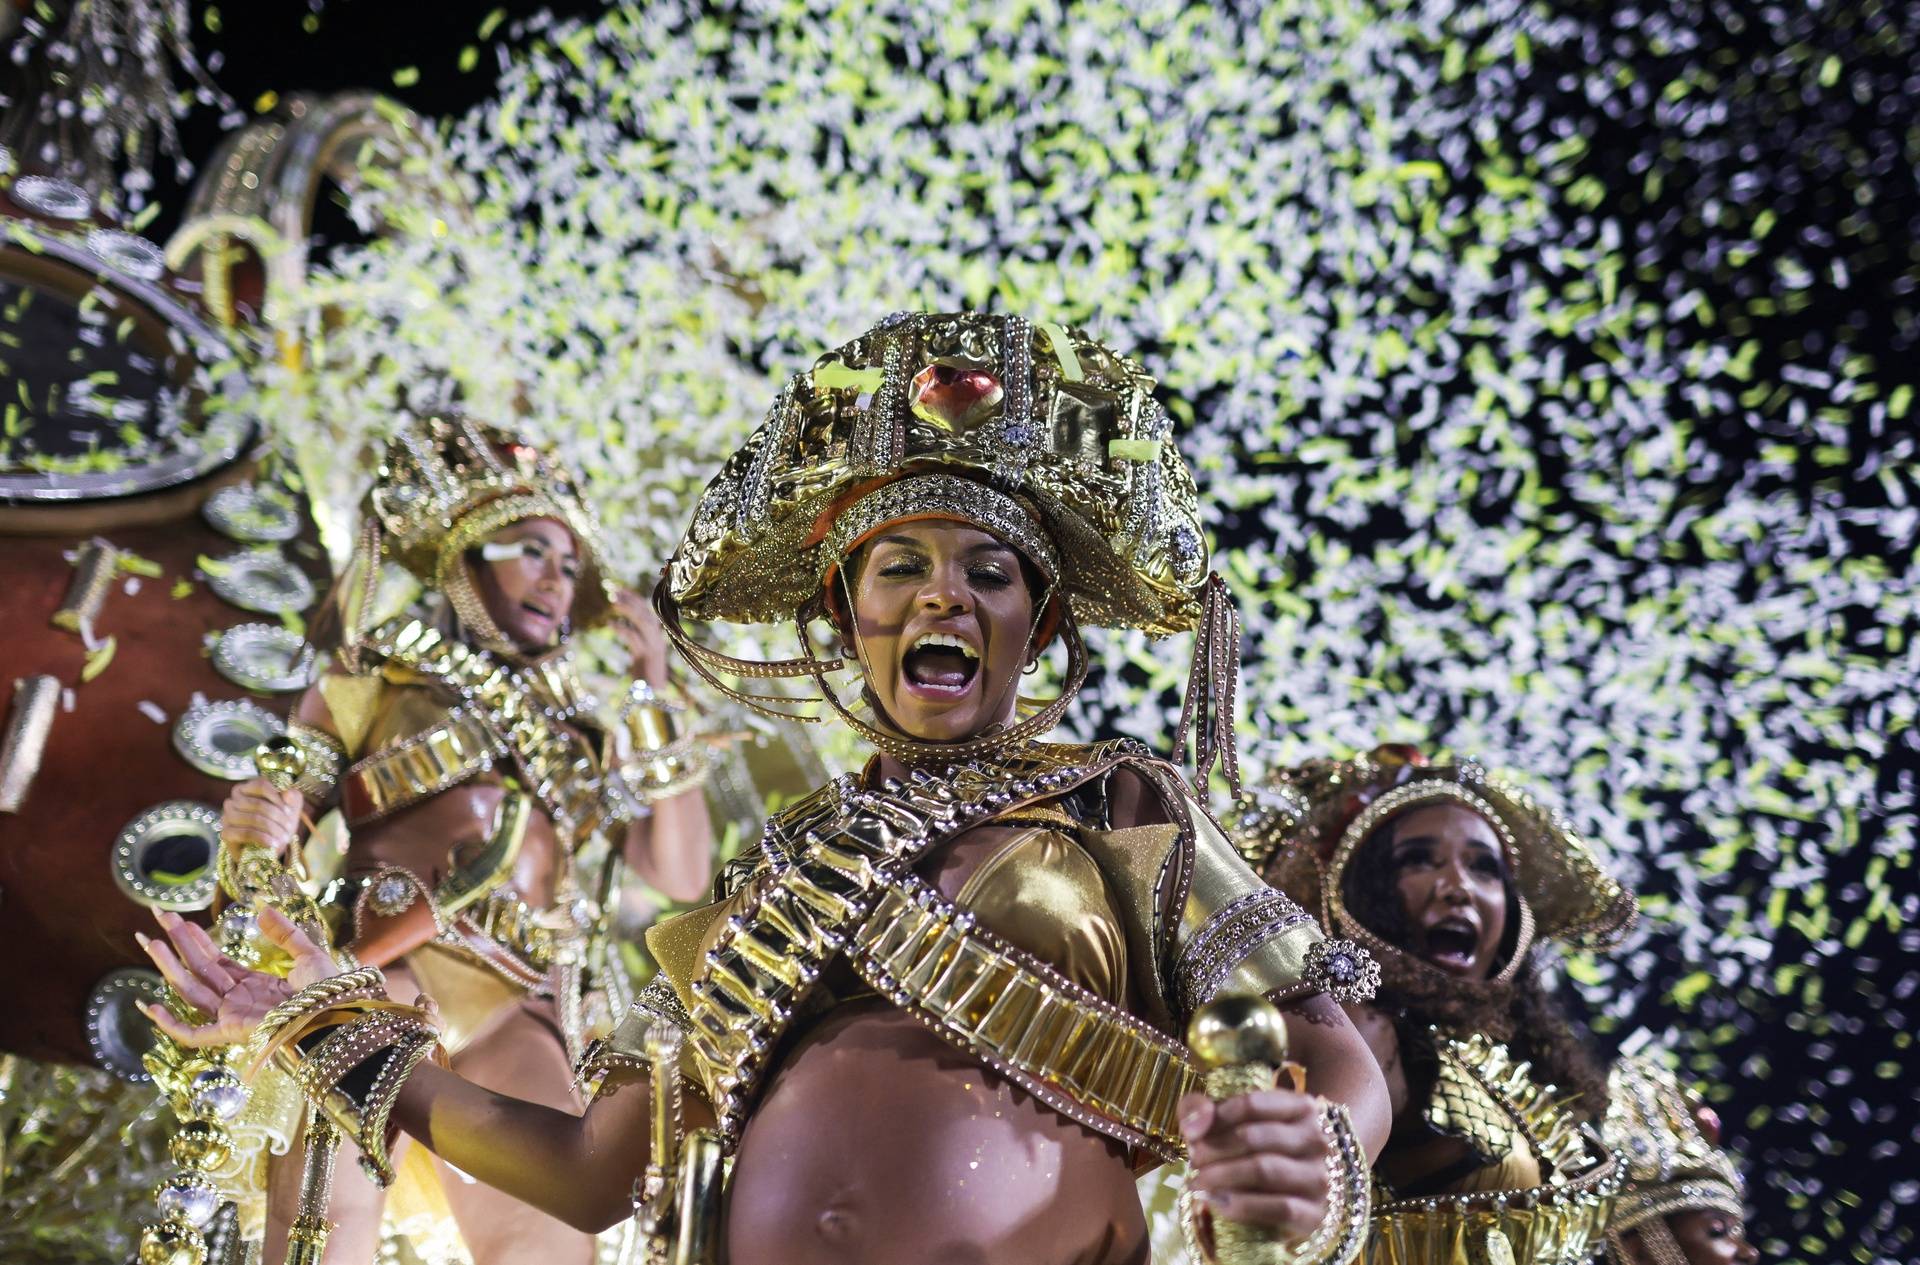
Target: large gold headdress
444 485
1033 431
1304 827
1674 1161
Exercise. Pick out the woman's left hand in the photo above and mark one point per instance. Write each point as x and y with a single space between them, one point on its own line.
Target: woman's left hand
1259 1158
639 630
232 998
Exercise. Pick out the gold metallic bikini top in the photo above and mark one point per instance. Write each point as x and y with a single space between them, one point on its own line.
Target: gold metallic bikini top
1543 1194
1044 893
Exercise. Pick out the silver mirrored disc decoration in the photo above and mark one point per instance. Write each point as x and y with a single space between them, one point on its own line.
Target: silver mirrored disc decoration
117 1033
58 199
220 738
262 580
251 513
164 857
264 657
125 252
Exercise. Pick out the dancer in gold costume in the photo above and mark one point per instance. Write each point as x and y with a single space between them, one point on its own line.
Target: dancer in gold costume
936 1012
471 767
1684 1200
1451 877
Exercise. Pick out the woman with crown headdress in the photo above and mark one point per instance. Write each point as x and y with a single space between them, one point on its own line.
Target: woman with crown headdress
1453 878
1684 1201
938 1011
469 763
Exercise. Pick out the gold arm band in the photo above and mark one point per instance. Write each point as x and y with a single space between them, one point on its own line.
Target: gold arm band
397 1037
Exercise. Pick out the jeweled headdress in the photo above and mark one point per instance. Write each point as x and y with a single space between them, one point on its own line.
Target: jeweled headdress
1033 431
445 484
1303 827
1671 1144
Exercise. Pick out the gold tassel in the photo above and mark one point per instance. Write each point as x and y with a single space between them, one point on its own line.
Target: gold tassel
1213 686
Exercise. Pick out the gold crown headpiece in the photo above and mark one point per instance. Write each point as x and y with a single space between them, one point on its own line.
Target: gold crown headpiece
1051 421
1671 1144
1303 827
447 482
1033 431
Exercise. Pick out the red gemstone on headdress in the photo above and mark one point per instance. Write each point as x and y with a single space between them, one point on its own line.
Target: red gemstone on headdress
1391 753
952 396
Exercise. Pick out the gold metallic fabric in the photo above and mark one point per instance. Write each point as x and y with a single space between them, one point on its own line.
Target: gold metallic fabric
1236 934
1081 1055
514 714
1493 1104
468 996
1063 425
1042 893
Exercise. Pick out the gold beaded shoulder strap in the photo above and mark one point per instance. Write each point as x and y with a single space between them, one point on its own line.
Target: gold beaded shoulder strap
512 710
1072 1049
836 877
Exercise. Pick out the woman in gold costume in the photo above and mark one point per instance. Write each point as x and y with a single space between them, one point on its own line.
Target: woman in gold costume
935 1013
1684 1201
1451 877
466 757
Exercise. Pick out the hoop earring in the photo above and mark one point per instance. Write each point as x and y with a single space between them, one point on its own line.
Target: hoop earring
1033 665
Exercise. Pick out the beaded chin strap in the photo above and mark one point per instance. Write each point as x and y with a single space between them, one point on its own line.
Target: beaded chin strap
1657 1245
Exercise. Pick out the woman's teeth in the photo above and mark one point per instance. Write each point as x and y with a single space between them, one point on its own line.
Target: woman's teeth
947 640
942 662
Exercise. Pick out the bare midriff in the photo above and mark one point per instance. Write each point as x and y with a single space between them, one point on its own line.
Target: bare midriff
876 1141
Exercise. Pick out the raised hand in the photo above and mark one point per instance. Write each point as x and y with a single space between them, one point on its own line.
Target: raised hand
1260 1158
639 630
257 814
233 998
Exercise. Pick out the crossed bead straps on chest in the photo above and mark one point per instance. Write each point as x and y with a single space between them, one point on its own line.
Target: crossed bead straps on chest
836 877
521 712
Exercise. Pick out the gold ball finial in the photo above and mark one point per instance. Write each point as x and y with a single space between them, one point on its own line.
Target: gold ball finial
202 1145
1231 1031
172 1242
280 761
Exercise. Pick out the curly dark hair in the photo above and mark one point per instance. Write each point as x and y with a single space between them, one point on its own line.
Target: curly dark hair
1520 1012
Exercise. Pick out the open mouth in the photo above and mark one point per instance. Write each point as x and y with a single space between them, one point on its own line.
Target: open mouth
940 665
1451 944
537 610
